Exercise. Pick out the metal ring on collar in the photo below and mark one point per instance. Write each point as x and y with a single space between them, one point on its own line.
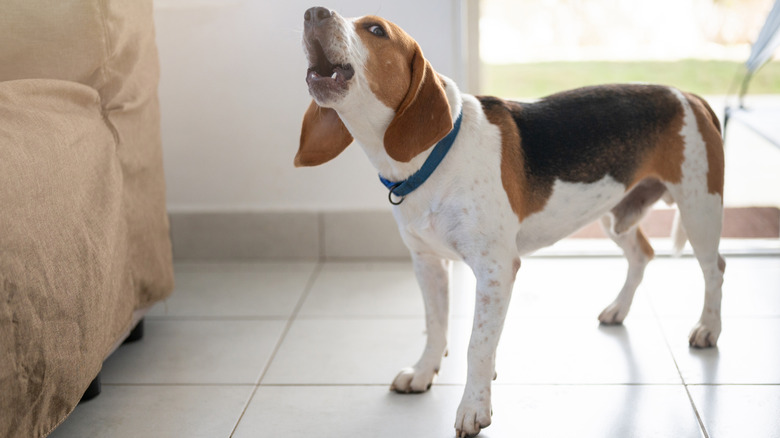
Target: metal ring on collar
390 194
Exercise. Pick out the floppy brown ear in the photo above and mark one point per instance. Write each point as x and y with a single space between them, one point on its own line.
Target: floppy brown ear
423 118
323 136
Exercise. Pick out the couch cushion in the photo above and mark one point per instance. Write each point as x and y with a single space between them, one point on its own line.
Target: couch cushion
62 39
65 291
107 45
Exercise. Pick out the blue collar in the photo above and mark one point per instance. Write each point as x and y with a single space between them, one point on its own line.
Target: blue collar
402 188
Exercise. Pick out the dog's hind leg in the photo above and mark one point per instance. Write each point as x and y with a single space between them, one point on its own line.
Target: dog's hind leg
702 218
699 196
638 252
621 225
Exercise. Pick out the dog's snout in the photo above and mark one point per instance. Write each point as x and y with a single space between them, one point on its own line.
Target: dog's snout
317 16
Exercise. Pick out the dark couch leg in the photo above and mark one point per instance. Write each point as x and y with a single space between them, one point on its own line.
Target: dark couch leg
93 390
136 333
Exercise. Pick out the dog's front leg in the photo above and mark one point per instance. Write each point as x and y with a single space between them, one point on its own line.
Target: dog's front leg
495 278
433 277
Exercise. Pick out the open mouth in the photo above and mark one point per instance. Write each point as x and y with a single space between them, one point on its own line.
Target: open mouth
323 71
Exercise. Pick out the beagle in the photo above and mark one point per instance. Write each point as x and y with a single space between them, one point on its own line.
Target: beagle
486 180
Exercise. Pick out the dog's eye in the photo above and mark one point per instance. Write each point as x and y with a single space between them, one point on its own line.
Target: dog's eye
377 30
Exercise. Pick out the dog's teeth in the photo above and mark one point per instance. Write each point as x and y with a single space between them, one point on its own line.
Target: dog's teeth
333 76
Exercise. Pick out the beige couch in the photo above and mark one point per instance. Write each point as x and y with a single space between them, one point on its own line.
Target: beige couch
84 242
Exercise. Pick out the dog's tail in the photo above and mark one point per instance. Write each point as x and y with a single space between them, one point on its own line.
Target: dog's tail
679 235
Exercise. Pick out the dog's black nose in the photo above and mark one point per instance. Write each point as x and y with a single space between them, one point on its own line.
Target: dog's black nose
317 15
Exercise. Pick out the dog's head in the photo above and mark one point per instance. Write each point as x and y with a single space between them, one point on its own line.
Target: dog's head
356 64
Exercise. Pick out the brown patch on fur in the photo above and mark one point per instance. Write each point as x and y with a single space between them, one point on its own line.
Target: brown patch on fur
522 198
323 136
709 128
665 160
401 78
389 65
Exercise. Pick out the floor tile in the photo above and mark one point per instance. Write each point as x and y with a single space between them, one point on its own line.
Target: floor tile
235 290
675 286
569 350
600 411
738 411
536 411
747 352
354 351
391 289
349 411
553 287
157 411
363 289
195 352
750 286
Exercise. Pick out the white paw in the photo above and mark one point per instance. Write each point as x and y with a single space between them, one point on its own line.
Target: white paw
413 380
473 415
615 313
705 334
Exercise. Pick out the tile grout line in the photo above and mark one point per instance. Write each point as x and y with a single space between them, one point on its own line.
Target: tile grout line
696 411
679 372
293 316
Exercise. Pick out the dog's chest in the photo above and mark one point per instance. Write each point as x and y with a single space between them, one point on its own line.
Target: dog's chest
463 210
460 229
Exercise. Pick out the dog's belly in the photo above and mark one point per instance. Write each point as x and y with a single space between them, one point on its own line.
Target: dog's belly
571 207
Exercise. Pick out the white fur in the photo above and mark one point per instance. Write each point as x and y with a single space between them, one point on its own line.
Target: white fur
571 207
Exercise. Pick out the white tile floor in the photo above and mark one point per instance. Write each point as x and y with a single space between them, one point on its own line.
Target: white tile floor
306 349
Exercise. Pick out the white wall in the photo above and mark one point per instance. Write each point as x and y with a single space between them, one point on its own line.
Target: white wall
233 93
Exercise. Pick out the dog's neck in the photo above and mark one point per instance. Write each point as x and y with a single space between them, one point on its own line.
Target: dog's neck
368 126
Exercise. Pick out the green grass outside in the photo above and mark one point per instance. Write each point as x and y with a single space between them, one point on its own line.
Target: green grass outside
697 76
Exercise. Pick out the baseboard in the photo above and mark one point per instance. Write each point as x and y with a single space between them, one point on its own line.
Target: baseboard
738 223
357 235
297 235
